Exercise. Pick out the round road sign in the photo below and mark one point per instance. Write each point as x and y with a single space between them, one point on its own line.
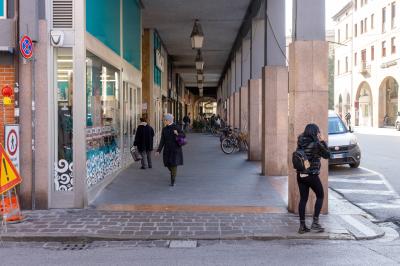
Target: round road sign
12 142
26 47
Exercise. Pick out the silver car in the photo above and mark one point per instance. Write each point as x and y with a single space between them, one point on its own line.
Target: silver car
342 143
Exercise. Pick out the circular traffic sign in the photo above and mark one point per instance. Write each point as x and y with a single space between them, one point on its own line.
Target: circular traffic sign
12 142
26 47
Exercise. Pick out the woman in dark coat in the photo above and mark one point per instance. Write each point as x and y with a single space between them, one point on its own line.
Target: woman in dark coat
315 147
144 142
172 153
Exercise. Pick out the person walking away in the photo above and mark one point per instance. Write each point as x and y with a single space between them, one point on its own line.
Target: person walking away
186 122
348 118
314 147
144 142
172 152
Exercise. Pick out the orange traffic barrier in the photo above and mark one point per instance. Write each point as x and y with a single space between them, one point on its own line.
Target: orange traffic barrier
9 207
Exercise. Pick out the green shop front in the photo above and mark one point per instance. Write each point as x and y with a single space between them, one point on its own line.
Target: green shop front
96 99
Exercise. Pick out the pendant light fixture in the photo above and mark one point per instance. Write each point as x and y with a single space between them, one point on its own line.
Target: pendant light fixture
199 61
197 36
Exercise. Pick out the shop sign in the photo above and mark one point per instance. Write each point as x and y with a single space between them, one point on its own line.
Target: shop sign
57 38
159 60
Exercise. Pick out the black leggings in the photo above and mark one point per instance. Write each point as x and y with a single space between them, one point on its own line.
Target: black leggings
305 183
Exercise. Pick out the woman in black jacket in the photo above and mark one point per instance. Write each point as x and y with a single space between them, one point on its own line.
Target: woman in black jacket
315 147
172 153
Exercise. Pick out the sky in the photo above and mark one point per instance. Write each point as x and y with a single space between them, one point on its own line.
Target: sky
331 6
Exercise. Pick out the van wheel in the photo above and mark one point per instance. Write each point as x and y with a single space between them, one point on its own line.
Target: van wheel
355 165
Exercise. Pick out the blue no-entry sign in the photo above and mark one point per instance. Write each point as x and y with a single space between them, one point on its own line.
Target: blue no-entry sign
26 47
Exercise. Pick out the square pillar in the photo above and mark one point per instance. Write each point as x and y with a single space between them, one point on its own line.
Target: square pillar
274 120
231 110
236 116
254 118
244 109
308 103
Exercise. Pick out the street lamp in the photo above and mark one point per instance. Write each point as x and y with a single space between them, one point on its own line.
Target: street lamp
199 61
197 36
200 76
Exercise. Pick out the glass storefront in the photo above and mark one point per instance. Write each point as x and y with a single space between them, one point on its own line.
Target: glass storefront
103 141
63 165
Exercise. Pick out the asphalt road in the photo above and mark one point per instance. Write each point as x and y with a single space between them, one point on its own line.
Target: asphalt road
375 186
212 253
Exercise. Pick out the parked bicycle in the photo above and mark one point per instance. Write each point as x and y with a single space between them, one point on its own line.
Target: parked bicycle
235 141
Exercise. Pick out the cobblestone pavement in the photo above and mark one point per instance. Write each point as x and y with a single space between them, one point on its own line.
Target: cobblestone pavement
96 225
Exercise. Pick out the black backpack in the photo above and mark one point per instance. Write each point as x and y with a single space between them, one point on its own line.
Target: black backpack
300 160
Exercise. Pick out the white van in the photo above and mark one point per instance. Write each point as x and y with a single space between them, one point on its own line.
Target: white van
342 143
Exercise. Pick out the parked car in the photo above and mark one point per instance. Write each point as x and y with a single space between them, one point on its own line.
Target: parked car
342 143
397 123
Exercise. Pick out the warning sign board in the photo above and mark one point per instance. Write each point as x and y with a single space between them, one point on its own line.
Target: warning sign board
9 176
11 140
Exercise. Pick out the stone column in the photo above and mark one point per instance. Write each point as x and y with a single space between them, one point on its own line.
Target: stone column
244 101
308 87
231 110
254 118
274 120
236 117
308 103
274 92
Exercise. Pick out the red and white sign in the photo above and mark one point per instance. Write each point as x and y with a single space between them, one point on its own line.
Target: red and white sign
26 47
11 140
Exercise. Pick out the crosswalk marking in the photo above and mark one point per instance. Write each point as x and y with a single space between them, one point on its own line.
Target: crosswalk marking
375 205
366 192
357 181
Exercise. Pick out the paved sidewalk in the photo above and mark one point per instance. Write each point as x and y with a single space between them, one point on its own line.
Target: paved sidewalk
208 178
78 225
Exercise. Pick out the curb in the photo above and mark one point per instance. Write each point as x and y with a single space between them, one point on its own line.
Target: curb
92 238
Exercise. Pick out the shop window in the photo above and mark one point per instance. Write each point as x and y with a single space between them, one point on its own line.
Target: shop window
103 119
3 9
63 71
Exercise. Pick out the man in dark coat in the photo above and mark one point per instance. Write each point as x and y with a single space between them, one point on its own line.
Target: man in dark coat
144 142
172 152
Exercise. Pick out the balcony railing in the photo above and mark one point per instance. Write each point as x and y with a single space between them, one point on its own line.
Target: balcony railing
364 68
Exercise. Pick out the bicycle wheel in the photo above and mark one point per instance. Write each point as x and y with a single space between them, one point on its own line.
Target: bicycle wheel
227 146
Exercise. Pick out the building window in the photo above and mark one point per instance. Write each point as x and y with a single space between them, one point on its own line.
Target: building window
383 48
3 9
355 59
393 45
383 19
362 3
355 30
365 24
393 15
338 67
372 21
362 27
338 35
355 4
347 64
347 31
372 53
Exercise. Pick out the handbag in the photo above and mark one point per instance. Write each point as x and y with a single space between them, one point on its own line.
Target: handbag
135 154
180 140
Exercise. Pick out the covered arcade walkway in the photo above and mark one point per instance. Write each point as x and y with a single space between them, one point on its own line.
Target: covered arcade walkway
209 181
